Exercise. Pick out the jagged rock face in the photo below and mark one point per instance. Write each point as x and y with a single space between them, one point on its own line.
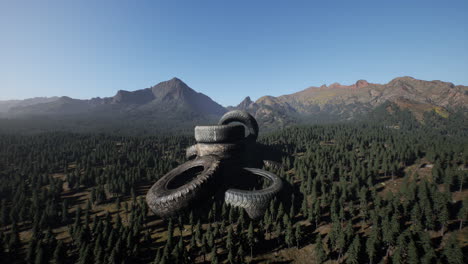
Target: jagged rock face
137 97
346 101
438 93
175 91
246 103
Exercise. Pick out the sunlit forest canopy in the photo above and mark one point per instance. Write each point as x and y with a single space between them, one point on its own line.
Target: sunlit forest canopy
390 188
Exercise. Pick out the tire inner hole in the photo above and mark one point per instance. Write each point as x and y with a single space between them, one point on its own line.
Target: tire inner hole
185 177
246 129
249 181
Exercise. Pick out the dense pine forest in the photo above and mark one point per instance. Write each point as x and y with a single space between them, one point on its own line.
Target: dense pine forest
391 190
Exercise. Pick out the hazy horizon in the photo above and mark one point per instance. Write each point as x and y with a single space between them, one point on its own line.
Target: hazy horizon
252 98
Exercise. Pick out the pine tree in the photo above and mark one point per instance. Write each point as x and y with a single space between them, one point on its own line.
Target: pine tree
289 236
203 248
371 244
240 254
64 211
442 211
198 231
180 248
304 206
280 212
31 249
170 234
353 251
429 252
298 235
250 237
413 257
341 243
229 242
165 255
192 242
292 212
463 213
452 251
40 258
214 259
85 255
113 258
399 252
461 179
117 204
157 258
416 217
319 251
277 230
230 257
59 254
231 214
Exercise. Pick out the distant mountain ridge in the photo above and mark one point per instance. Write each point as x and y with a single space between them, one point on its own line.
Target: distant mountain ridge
165 96
343 102
5 106
174 102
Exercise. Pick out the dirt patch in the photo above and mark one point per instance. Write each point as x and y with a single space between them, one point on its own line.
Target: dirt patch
416 172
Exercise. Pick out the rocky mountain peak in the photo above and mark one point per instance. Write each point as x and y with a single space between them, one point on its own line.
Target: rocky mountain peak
335 85
176 83
361 84
404 79
175 92
246 103
173 88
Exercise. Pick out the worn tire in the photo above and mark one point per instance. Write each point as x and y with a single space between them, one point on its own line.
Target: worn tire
165 200
255 202
191 152
222 150
219 133
243 117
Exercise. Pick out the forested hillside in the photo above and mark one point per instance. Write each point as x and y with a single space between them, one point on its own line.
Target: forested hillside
392 190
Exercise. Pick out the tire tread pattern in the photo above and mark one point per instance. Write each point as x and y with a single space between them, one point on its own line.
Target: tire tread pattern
243 117
255 202
219 133
167 202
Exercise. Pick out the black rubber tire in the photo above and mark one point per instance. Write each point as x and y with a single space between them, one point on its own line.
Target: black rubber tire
255 202
219 133
167 202
191 152
222 150
243 117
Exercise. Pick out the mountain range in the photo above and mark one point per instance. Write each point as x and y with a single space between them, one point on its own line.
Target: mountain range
173 104
344 102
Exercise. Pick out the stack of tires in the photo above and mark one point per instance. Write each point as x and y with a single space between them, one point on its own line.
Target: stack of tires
218 155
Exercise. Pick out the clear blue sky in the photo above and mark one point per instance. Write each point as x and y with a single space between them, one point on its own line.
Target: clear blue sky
225 49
